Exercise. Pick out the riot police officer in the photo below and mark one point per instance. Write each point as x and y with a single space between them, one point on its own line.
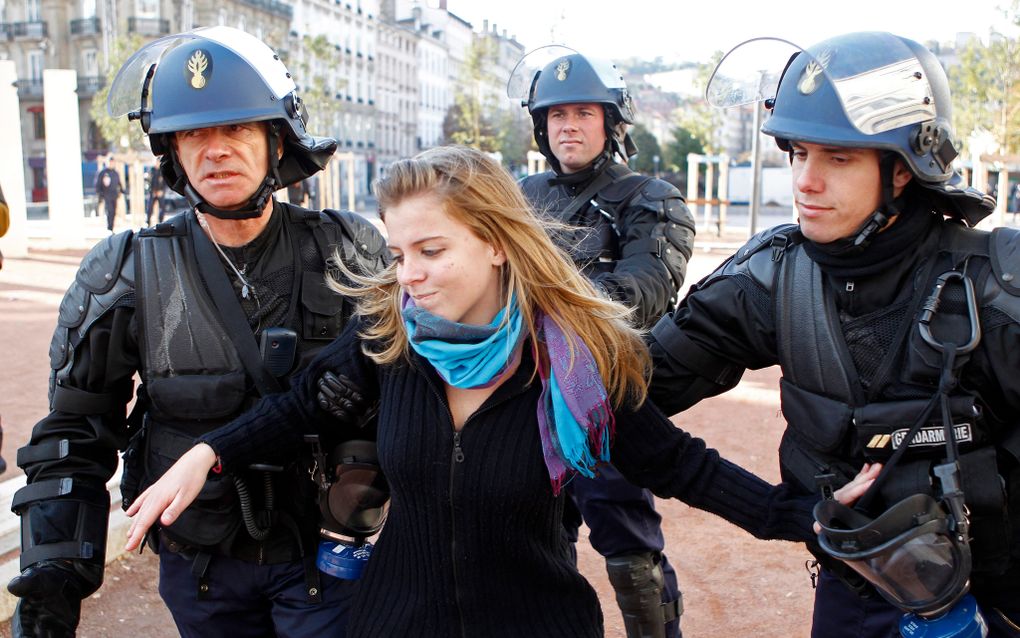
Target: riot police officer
213 309
633 238
880 305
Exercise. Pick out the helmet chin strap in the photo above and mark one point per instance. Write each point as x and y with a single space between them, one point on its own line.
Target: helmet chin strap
256 202
887 209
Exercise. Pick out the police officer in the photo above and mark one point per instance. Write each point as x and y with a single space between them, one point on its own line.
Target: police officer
212 308
865 306
157 189
633 239
108 189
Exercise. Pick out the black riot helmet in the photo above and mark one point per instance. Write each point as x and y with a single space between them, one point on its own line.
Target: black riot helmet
554 75
217 76
859 90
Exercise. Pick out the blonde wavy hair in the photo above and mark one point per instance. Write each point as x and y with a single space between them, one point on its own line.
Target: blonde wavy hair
477 192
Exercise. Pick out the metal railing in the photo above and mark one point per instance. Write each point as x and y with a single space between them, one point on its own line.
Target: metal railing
29 88
85 26
29 30
284 9
89 84
148 26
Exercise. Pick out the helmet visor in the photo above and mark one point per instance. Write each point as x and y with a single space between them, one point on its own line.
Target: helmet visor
750 72
880 83
518 87
908 553
126 91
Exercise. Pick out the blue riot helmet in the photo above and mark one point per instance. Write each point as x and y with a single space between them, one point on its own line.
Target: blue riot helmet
217 76
554 75
860 90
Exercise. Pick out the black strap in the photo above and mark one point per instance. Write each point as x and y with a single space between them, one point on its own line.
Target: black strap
200 570
83 550
225 299
48 451
646 245
601 181
75 401
58 488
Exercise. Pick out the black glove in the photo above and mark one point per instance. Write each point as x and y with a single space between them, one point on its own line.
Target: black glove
339 397
51 592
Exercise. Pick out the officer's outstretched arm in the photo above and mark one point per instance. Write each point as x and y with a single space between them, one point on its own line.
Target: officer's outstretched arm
64 508
171 494
656 234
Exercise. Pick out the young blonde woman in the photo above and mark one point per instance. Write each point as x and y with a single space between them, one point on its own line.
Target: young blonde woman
500 373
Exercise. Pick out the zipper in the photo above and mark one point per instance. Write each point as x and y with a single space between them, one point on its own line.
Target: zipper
457 457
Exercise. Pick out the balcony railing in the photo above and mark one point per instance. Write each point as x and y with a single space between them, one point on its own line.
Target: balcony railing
29 30
5 30
31 88
284 9
85 26
148 26
89 84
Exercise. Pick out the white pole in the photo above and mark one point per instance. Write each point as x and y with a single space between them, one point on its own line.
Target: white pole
12 163
63 157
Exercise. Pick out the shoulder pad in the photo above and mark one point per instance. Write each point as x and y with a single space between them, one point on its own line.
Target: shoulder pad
535 185
656 190
753 260
86 301
763 240
358 231
99 268
1005 258
623 187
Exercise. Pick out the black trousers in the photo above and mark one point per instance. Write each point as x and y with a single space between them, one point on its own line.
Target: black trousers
110 203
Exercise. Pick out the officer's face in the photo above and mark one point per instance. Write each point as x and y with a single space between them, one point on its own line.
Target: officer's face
577 134
837 189
225 164
445 267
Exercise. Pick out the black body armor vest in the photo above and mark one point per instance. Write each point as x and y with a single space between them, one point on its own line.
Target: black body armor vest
835 423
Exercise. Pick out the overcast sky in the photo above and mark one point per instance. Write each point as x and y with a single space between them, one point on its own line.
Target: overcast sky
691 31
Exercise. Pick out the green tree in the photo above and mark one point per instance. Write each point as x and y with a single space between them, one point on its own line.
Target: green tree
696 116
648 150
514 138
986 88
675 153
116 130
319 86
470 120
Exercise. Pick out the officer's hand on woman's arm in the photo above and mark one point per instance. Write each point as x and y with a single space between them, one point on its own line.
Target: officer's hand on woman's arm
849 493
171 494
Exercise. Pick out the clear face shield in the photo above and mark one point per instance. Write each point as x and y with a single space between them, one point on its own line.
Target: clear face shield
129 90
521 84
912 553
879 82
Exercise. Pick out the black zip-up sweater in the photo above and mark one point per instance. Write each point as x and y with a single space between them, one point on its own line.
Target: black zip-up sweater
474 544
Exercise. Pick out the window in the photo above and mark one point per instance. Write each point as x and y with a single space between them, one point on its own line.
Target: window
89 63
32 11
88 8
39 125
147 8
36 63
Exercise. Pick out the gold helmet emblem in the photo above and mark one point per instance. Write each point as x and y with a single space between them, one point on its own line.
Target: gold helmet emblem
810 78
197 64
562 69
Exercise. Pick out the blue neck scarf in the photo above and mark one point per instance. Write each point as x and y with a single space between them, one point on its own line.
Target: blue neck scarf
575 419
466 356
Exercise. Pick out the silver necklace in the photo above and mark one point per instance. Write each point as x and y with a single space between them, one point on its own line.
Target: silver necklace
246 288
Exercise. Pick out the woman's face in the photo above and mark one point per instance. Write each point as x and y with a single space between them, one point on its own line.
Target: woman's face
446 268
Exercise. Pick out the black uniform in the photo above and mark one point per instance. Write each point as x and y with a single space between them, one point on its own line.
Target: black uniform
145 303
855 373
635 234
